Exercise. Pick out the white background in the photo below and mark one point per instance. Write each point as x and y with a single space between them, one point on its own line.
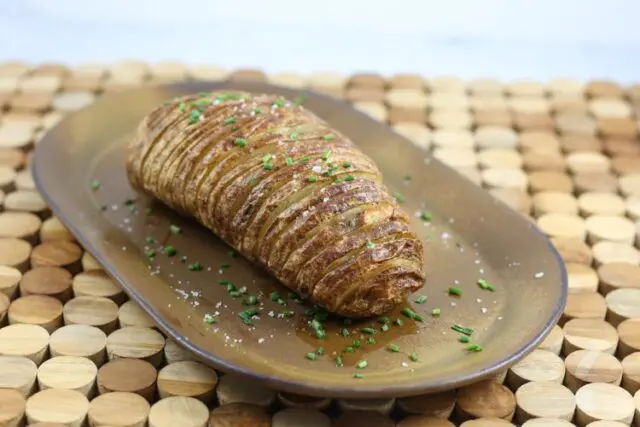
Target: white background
506 39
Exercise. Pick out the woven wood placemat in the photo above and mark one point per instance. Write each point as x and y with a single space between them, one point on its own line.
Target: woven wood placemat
74 351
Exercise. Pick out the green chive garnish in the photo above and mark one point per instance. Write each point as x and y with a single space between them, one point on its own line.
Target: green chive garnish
412 314
169 250
311 356
288 161
274 296
257 111
421 299
414 356
346 165
328 137
425 216
175 229
151 239
95 184
196 266
394 348
150 253
209 319
399 198
194 116
349 349
369 331
279 102
455 291
312 179
345 332
229 120
398 322
349 178
326 154
462 330
356 343
320 351
253 300
474 348
435 312
371 340
358 376
385 327
485 285
464 339
407 177
339 362
370 244
182 107
240 142
362 364
294 136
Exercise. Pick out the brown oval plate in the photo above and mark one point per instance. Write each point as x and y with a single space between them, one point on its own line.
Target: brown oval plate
79 169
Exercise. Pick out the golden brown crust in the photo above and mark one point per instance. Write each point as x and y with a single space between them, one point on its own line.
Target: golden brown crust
288 192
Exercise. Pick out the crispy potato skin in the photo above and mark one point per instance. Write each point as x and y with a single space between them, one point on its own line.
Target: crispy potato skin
285 190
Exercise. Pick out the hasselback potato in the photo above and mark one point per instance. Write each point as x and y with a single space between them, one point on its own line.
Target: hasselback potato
289 193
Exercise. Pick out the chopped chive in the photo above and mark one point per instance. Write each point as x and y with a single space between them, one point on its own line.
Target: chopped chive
357 343
485 285
231 287
257 110
294 136
304 159
233 254
474 348
383 319
407 177
371 340
151 239
462 330
224 283
339 362
369 331
349 349
182 107
346 165
311 356
455 291
196 266
414 356
279 102
274 296
175 229
95 184
148 211
394 348
253 300
321 334
286 313
208 318
183 259
320 351
194 116
169 250
412 314
362 364
358 376
225 265
425 216
312 179
349 178
235 294
370 244
421 299
399 197
229 120
299 100
288 161
328 137
464 339
435 312
103 208
326 154
240 142
150 253
385 327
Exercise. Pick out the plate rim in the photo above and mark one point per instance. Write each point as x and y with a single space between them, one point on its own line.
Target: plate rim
273 380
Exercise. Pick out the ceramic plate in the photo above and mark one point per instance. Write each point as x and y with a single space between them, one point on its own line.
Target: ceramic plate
470 237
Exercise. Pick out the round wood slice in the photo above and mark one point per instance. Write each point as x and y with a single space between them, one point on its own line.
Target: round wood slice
629 337
607 402
614 252
57 253
618 275
589 334
585 366
233 388
68 372
96 283
585 305
119 409
383 406
5 302
582 278
24 340
247 415
12 405
622 304
39 310
93 311
131 314
81 341
563 225
488 399
610 228
24 180
136 343
540 365
53 229
296 416
554 202
89 263
27 201
21 225
173 352
291 400
362 418
631 373
191 379
547 422
48 281
18 373
573 250
424 421
544 399
179 411
128 375
603 204
487 422
15 253
66 407
432 405
9 279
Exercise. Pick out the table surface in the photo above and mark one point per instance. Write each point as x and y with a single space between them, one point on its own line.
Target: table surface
497 38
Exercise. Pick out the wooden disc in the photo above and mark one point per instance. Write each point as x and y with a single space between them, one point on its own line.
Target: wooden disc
614 252
602 204
419 134
18 373
456 157
57 253
487 422
438 405
563 226
496 137
191 379
547 422
362 418
553 342
89 263
96 283
504 178
79 340
605 423
554 202
128 375
12 405
544 399
53 282
179 411
588 162
24 340
623 165
39 310
610 228
622 304
67 407
27 201
544 180
247 415
5 302
291 400
233 388
294 417
629 335
21 225
93 311
630 184
631 373
424 421
598 182
540 365
383 406
585 366
15 253
68 372
52 229
582 278
516 199
543 161
9 279
131 314
584 305
589 334
136 343
72 101
119 409
488 399
499 158
15 135
618 275
449 84
453 138
450 119
600 401
173 352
